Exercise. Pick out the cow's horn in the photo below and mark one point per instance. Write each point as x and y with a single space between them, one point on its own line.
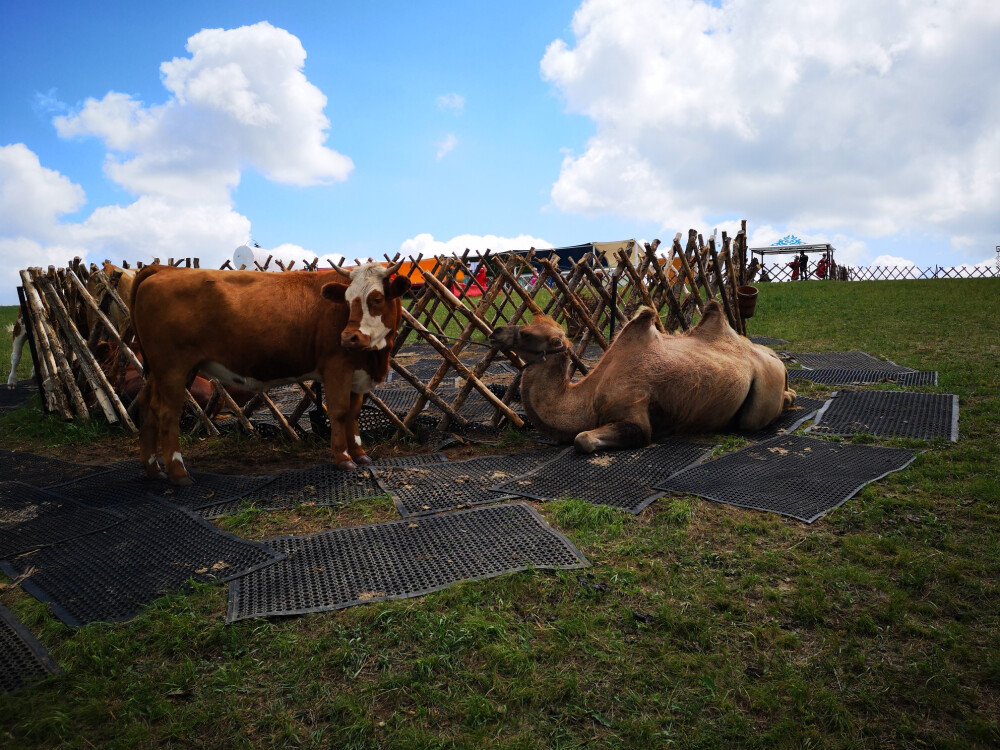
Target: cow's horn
393 267
342 271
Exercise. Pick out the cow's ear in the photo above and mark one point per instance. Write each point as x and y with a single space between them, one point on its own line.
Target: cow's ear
398 286
334 291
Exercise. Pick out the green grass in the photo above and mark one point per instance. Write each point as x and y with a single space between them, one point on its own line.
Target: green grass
699 625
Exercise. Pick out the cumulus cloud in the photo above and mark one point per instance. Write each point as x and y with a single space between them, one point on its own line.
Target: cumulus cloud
451 102
239 100
892 260
854 117
426 245
446 146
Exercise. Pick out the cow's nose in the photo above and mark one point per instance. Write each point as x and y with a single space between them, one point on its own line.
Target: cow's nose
354 339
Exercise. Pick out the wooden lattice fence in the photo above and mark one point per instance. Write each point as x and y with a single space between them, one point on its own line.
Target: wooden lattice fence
445 374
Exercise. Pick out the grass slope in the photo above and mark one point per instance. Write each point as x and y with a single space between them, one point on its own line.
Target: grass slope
699 625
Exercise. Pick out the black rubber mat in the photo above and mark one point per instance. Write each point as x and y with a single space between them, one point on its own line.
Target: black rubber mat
31 517
852 360
23 660
322 484
793 475
790 420
768 341
423 490
864 377
125 481
399 559
475 408
16 397
425 368
924 416
110 575
400 400
623 479
42 471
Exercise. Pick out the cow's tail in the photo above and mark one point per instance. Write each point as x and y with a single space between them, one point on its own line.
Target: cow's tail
140 277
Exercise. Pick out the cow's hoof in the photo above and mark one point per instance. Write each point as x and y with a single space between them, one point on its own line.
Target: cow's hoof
182 481
362 460
346 465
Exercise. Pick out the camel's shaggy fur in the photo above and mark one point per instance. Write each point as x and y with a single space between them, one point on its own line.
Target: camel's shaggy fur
703 380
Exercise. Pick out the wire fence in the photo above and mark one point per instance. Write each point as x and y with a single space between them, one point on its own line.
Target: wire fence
777 272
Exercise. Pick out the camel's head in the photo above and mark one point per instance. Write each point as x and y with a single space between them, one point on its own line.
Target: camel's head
540 337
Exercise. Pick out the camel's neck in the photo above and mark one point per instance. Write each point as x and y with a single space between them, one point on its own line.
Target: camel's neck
556 406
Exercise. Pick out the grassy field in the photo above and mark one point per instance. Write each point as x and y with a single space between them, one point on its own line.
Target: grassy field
698 626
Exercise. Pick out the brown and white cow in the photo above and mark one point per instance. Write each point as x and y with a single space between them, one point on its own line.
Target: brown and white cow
257 330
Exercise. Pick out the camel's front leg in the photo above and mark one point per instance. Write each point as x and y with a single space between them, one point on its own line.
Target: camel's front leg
629 433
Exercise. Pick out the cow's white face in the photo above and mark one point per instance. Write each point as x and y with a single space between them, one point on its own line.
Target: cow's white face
366 297
369 296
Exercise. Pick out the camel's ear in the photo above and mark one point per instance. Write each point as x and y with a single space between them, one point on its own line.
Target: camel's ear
334 292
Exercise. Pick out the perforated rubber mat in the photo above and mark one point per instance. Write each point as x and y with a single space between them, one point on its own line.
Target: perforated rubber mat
475 408
126 481
924 416
790 420
768 341
322 484
623 479
110 575
399 559
863 377
423 490
400 400
793 475
16 397
852 360
31 517
42 471
23 660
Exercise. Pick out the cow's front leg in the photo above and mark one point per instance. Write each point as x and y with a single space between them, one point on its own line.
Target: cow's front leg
148 432
352 434
338 406
168 401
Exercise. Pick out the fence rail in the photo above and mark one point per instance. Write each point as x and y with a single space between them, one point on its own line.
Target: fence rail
778 272
442 358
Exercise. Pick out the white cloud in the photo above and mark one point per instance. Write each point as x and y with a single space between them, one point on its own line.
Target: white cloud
853 117
453 102
892 260
240 100
446 146
426 245
32 196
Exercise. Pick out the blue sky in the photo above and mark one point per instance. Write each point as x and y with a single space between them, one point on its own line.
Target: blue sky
127 131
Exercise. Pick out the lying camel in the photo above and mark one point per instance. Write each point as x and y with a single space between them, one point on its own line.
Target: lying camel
649 381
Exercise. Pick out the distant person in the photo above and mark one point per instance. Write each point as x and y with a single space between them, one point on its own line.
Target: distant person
823 266
794 265
803 266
